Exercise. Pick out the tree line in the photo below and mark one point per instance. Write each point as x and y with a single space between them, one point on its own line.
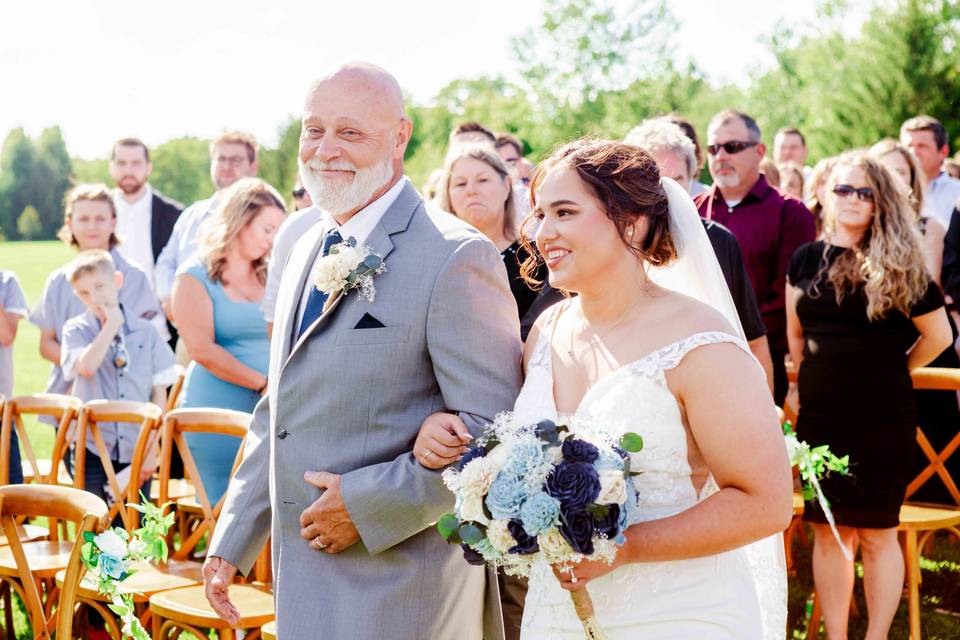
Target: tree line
593 67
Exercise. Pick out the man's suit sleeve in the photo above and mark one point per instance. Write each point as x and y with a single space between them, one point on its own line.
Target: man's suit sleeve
473 337
244 523
950 274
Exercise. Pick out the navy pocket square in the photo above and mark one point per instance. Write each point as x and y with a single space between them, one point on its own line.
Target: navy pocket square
369 322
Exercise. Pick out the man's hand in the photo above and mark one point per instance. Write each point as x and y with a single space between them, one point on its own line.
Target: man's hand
217 576
326 524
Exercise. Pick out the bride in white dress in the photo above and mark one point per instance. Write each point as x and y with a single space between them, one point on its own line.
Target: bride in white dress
705 561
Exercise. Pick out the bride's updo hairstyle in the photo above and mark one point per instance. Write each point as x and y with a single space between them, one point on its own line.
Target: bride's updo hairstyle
626 181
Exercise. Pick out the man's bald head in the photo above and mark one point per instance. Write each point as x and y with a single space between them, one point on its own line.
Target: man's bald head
372 84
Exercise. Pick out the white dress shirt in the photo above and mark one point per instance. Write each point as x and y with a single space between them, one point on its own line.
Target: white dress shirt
357 227
940 198
182 244
134 229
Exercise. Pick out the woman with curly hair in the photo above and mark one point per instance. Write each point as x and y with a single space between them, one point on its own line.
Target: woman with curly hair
216 300
862 312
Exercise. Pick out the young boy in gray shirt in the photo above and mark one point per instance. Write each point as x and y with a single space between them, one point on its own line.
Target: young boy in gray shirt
108 355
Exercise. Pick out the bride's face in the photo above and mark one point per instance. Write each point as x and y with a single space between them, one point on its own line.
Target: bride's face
580 244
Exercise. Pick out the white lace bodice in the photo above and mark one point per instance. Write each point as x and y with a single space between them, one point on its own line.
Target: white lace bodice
635 397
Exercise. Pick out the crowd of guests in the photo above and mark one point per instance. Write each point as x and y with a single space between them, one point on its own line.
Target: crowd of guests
845 271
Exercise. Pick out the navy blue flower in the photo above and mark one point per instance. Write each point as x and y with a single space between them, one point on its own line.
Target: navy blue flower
574 484
471 454
575 450
609 525
471 556
577 528
546 430
525 543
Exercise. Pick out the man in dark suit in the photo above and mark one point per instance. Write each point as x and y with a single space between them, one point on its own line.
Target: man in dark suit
145 217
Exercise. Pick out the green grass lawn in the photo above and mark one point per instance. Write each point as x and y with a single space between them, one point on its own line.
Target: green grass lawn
32 262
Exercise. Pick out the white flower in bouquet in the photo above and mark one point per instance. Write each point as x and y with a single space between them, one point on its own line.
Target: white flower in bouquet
477 476
555 549
110 544
499 536
348 266
470 507
613 487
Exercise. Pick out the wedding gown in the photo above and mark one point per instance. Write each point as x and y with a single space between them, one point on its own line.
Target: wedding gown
707 598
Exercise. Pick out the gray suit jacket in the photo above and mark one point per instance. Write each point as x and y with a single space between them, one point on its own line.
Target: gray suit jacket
351 401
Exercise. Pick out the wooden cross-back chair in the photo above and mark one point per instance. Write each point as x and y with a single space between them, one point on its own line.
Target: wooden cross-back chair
62 408
176 424
173 398
143 416
187 609
28 567
936 379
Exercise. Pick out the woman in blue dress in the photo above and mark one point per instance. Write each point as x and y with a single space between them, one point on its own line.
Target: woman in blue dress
216 307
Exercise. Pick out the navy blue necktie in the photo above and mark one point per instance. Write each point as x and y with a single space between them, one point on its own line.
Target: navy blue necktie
317 298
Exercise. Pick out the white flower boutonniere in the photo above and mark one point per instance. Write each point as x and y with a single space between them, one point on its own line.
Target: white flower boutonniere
348 266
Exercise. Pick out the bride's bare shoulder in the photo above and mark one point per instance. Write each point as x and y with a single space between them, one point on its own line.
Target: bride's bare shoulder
687 316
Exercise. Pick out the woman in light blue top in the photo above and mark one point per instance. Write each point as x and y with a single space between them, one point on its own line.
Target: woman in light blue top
216 307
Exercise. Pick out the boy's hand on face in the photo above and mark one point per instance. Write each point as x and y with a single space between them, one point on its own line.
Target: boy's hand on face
112 315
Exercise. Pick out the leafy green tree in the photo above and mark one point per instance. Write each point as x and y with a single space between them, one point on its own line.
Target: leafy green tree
18 167
279 166
55 172
29 225
181 169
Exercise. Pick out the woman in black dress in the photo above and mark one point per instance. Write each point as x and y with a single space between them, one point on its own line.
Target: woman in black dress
862 313
476 187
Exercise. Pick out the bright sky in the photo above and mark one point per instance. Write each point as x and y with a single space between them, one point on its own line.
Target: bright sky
113 68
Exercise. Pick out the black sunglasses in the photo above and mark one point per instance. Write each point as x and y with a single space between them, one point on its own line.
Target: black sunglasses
864 194
732 147
299 193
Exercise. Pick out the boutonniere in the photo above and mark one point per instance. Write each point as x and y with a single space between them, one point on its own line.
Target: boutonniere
348 266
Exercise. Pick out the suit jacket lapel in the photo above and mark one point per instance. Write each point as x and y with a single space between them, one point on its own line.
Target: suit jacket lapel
156 242
395 220
302 282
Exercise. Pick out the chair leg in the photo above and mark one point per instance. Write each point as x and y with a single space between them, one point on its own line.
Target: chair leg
813 624
913 582
7 610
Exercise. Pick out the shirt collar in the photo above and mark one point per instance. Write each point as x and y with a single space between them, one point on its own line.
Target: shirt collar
757 192
363 222
145 198
941 177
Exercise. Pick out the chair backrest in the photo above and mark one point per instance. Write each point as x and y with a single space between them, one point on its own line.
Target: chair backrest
147 419
214 421
936 379
173 398
62 408
87 511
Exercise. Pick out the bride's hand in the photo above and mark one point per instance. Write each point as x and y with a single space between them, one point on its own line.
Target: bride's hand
584 572
442 440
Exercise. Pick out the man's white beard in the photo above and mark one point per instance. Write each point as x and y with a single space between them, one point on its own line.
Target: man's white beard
335 197
730 181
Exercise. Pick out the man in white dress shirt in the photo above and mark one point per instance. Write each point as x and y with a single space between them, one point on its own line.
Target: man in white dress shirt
145 217
232 156
927 138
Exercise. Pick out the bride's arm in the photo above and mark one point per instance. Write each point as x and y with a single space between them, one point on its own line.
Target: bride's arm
735 427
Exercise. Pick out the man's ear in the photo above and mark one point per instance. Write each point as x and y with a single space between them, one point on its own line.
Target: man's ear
119 279
404 132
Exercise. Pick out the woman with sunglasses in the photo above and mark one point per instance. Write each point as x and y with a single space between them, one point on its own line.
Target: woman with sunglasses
862 312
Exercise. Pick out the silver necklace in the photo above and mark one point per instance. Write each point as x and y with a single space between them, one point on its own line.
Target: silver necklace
595 339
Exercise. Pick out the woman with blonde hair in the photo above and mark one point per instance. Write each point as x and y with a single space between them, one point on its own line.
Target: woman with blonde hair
476 187
818 190
901 162
216 300
862 312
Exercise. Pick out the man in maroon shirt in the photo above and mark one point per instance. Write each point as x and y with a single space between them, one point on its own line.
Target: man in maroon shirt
768 226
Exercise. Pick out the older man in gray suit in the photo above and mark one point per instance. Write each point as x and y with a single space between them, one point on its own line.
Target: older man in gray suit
330 469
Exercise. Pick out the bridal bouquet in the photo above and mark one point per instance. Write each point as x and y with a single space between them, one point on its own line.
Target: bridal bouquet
561 493
110 555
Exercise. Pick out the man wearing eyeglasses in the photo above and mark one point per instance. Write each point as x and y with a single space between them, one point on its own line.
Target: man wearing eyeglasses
768 226
232 156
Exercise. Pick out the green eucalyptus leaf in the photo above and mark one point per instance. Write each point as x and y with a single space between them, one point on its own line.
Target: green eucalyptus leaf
448 525
471 533
631 442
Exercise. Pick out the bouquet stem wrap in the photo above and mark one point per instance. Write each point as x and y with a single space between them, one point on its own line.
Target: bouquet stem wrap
584 608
